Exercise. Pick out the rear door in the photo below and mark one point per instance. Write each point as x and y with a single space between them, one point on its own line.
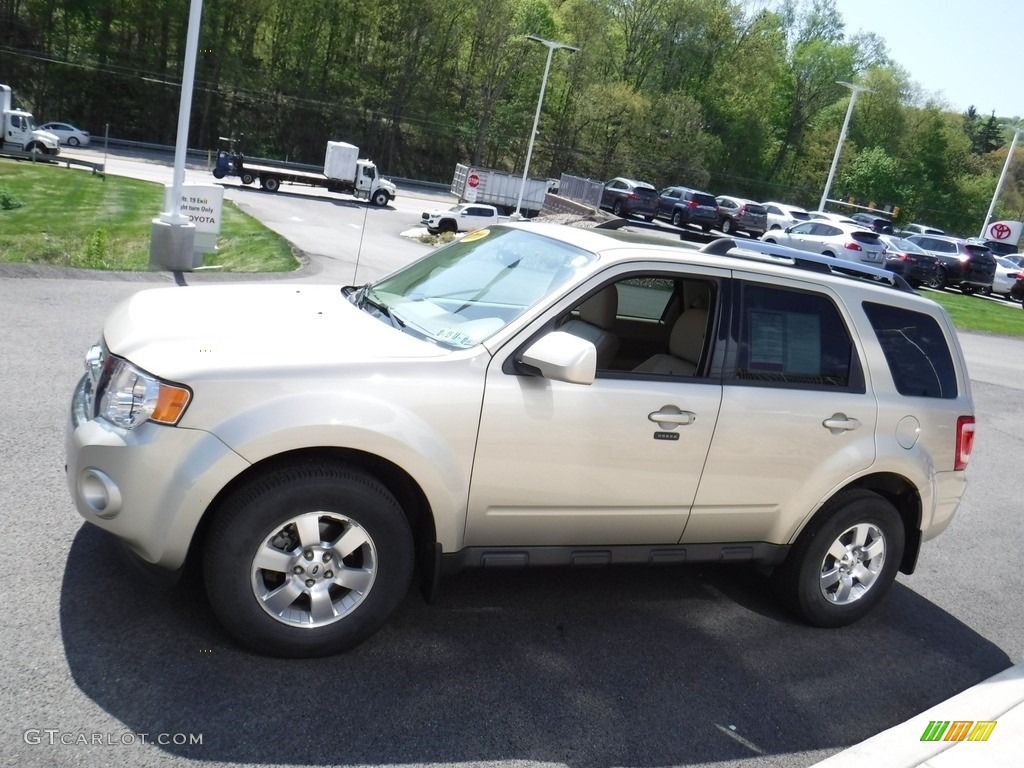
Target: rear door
797 417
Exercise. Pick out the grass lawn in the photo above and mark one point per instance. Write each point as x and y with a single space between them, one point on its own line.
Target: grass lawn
70 217
973 313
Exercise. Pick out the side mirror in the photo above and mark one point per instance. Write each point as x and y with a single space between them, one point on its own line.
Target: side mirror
560 356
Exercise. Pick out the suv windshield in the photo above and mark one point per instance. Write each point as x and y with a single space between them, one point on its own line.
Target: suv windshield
463 293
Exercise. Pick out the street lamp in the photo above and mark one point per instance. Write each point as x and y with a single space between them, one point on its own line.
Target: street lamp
842 137
999 184
552 46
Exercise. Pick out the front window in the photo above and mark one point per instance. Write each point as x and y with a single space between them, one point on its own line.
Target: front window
463 293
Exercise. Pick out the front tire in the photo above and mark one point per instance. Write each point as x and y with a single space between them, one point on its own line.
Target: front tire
247 178
380 198
307 560
844 562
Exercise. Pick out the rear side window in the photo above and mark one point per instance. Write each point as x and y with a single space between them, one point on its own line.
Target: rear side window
704 200
916 351
794 338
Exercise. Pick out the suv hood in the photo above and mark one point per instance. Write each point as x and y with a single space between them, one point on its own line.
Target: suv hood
192 333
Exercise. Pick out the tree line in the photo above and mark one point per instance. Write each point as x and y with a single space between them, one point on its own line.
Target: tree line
733 96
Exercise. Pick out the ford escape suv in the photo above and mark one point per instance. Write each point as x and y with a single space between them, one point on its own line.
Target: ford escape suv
531 395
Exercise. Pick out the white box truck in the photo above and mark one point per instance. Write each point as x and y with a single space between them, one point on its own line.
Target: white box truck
20 132
344 172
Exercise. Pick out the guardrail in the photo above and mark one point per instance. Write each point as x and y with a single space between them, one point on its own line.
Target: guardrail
36 157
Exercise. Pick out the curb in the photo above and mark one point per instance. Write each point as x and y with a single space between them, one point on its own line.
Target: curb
999 698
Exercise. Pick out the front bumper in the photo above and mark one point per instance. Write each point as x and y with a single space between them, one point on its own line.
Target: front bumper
148 486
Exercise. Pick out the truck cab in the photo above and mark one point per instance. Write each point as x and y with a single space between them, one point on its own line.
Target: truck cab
19 129
371 185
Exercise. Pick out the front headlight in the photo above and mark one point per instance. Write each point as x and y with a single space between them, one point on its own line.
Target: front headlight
131 397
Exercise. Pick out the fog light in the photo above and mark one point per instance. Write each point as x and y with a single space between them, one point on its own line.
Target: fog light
99 493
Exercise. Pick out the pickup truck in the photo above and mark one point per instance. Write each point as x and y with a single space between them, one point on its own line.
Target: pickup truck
464 217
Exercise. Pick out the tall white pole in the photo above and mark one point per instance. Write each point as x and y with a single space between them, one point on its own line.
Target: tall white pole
842 138
999 184
184 112
551 46
172 237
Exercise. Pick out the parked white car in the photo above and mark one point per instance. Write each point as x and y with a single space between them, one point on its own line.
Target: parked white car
832 238
782 215
1004 278
68 134
842 218
464 217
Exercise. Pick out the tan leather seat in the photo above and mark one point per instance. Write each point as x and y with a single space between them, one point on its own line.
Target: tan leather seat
596 316
685 343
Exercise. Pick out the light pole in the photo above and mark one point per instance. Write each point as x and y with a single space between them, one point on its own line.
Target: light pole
999 184
552 46
172 237
842 137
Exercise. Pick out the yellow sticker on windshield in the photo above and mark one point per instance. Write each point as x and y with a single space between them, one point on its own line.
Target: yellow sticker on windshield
480 234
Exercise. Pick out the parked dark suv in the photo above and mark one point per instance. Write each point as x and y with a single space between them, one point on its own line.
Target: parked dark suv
878 224
682 206
629 197
736 213
967 266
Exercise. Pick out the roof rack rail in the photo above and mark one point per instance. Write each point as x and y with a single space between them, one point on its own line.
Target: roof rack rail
758 250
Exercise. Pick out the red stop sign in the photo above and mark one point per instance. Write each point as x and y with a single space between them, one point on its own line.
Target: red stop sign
473 180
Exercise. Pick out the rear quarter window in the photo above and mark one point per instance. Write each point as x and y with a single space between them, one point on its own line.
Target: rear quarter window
915 349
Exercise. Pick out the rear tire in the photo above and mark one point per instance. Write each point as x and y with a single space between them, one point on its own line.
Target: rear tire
844 562
73 141
939 281
617 208
968 290
677 219
307 560
727 227
270 183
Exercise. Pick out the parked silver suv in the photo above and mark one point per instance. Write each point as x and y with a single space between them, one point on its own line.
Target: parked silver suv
530 395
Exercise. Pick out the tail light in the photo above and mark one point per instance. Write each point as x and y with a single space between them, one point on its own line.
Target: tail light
742 211
691 203
852 246
964 441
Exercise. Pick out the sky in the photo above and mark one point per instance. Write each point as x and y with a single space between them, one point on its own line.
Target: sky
965 53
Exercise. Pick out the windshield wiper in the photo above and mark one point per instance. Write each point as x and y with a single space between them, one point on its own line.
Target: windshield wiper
366 296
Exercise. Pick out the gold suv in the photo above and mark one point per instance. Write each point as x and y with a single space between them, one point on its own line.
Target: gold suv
530 395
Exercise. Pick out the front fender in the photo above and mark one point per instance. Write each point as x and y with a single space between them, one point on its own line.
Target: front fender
433 443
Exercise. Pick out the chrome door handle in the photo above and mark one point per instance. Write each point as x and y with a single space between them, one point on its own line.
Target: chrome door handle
670 417
840 422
